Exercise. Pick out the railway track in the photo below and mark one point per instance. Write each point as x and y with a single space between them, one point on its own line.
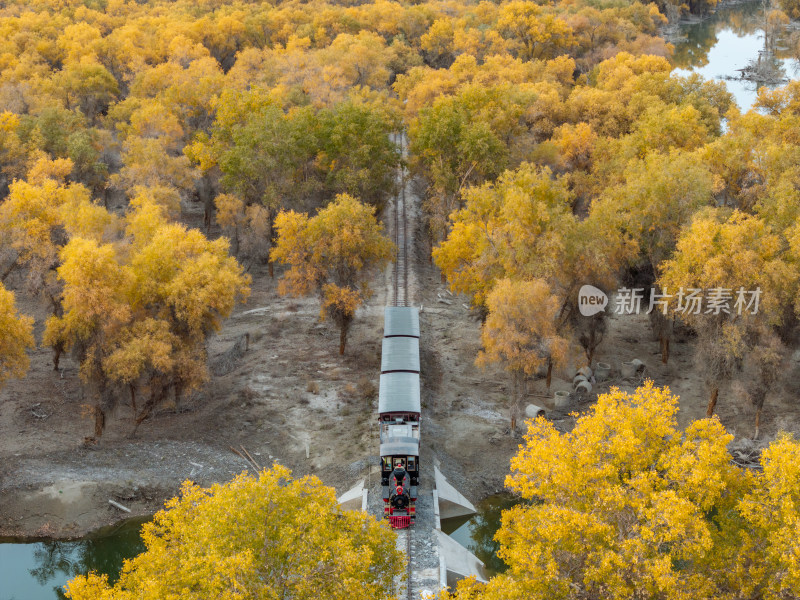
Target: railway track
405 589
409 595
400 298
401 238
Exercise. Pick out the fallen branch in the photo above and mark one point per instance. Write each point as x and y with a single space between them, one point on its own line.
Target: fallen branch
239 454
243 457
119 506
252 460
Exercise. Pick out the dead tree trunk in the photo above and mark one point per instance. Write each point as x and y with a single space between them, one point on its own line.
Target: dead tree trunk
758 423
662 326
58 349
99 420
549 372
712 402
132 388
519 382
759 402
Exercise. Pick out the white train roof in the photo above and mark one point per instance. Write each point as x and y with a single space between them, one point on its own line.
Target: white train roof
400 354
401 320
399 392
400 447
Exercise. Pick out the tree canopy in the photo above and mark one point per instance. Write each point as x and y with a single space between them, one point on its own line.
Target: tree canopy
264 536
16 336
330 254
626 505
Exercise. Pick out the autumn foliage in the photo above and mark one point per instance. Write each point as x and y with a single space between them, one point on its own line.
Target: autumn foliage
16 336
521 332
330 255
270 536
628 506
551 145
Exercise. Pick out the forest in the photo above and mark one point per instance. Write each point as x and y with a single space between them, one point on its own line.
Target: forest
117 116
154 154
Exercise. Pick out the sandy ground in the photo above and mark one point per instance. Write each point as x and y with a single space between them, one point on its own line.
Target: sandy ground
291 398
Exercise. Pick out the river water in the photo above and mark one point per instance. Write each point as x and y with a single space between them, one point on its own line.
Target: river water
717 46
37 570
476 533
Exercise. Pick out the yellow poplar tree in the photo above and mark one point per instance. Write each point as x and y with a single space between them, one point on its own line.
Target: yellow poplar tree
139 313
16 335
770 510
522 227
515 227
330 254
94 307
623 506
729 251
269 536
36 222
521 332
535 33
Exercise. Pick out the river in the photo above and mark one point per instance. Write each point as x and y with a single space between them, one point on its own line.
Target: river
476 532
37 570
717 46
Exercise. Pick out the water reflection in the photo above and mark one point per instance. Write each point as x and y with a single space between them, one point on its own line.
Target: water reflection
698 38
477 532
38 570
732 39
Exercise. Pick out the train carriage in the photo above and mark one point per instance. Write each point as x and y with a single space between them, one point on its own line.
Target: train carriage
401 321
400 355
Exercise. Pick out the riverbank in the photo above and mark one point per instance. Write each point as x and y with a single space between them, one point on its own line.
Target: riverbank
65 495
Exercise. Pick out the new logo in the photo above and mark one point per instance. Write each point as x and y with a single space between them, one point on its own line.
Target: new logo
591 300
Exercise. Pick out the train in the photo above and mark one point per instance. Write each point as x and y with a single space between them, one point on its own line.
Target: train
399 415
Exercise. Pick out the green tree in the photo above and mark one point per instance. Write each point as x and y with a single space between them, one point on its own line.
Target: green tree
253 147
658 197
354 151
85 149
274 160
460 141
87 86
50 128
